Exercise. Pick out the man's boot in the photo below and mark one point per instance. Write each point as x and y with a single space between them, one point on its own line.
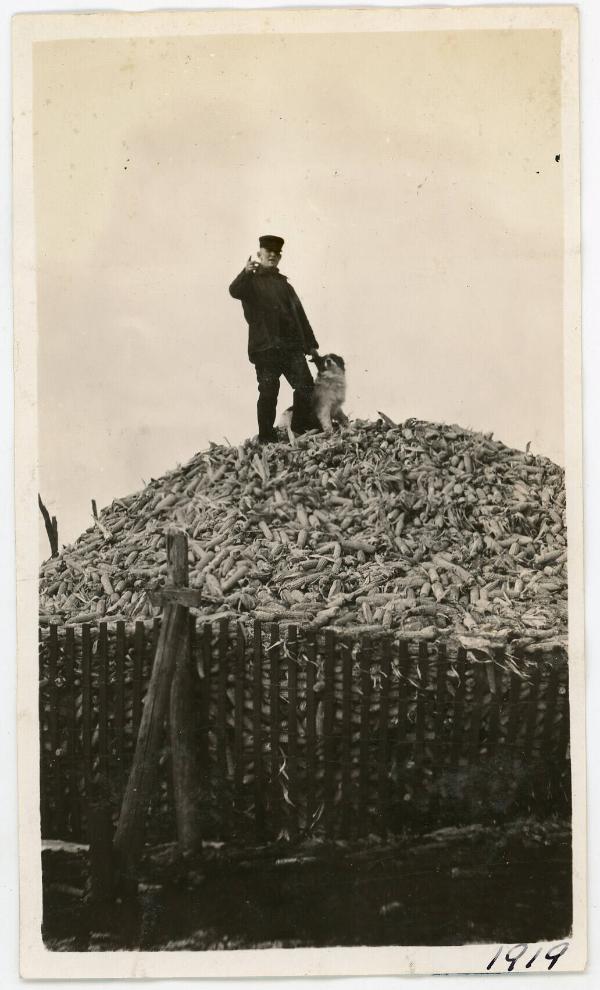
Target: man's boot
266 409
302 415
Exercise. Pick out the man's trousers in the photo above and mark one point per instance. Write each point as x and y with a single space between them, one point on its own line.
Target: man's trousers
270 365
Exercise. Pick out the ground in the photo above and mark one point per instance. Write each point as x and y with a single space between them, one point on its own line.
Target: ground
476 884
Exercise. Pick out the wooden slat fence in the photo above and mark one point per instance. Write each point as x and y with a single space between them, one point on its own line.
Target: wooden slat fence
302 734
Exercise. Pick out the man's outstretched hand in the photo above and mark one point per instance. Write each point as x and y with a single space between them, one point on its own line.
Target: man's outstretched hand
251 265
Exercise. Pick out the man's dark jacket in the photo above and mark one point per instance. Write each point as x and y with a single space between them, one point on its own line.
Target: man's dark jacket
273 312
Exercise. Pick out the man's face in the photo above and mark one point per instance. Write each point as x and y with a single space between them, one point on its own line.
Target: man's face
269 257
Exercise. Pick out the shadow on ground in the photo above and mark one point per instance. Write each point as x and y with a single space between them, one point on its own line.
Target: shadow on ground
477 884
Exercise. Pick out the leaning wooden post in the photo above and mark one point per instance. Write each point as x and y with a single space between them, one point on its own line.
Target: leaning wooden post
51 527
172 643
184 748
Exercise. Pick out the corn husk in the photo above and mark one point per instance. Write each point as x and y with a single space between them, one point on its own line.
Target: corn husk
375 525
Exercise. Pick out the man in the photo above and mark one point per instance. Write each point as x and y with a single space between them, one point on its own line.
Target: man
279 337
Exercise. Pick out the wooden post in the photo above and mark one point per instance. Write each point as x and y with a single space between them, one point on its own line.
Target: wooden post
177 558
274 689
364 750
238 737
292 720
384 708
257 701
55 761
72 740
51 527
224 810
171 647
311 732
184 749
347 811
328 752
171 641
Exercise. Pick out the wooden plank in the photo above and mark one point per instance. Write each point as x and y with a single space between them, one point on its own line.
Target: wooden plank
139 648
190 597
73 748
120 703
177 559
439 727
514 706
311 732
205 706
439 745
532 712
416 775
185 777
238 717
328 741
476 714
103 712
172 640
346 740
221 726
564 733
292 760
194 660
458 712
153 642
192 640
86 706
274 658
496 673
57 817
421 711
384 715
364 761
404 663
43 731
184 752
199 735
257 702
549 730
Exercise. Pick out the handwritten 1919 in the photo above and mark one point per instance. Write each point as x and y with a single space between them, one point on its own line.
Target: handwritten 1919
520 949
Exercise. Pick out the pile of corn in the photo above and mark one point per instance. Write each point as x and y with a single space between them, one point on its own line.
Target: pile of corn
421 530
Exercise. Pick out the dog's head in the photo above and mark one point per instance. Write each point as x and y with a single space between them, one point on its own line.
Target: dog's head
329 362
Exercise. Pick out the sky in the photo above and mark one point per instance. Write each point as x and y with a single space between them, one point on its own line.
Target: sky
413 177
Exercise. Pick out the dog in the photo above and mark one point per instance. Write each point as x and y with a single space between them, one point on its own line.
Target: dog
330 390
328 394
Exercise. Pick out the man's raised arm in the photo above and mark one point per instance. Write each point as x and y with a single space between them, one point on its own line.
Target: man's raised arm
241 284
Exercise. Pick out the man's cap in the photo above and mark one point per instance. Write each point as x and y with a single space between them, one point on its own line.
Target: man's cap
272 242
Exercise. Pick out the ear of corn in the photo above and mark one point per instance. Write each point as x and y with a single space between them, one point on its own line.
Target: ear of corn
377 525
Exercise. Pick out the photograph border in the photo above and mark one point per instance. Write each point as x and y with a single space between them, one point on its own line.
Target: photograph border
36 960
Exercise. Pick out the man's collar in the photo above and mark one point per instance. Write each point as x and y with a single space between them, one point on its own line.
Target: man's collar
263 270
